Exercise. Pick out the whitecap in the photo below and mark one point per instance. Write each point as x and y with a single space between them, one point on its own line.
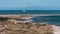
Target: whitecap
56 29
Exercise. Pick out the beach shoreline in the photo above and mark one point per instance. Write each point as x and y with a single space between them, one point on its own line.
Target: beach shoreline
54 29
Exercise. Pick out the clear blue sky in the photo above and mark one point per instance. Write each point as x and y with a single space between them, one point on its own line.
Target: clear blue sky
30 4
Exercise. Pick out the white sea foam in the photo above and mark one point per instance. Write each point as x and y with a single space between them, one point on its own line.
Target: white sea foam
56 29
32 15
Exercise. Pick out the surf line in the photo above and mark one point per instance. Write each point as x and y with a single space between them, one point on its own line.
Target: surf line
56 29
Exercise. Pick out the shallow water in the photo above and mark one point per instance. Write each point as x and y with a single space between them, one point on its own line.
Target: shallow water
49 19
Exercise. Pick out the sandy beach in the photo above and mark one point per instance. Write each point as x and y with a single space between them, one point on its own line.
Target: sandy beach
25 27
11 26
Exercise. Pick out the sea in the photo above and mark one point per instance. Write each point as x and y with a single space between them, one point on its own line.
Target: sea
54 20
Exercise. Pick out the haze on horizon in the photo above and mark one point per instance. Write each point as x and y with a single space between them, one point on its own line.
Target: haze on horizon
30 4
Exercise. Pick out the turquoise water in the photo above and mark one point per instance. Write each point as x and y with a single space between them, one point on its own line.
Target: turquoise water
40 19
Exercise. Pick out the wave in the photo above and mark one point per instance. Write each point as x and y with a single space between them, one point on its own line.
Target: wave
56 29
30 14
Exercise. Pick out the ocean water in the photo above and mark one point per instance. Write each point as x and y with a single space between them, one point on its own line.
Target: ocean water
30 12
39 19
54 20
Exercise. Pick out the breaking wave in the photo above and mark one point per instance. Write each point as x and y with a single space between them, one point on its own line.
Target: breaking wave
56 29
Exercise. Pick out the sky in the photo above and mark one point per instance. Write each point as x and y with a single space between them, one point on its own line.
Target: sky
30 4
